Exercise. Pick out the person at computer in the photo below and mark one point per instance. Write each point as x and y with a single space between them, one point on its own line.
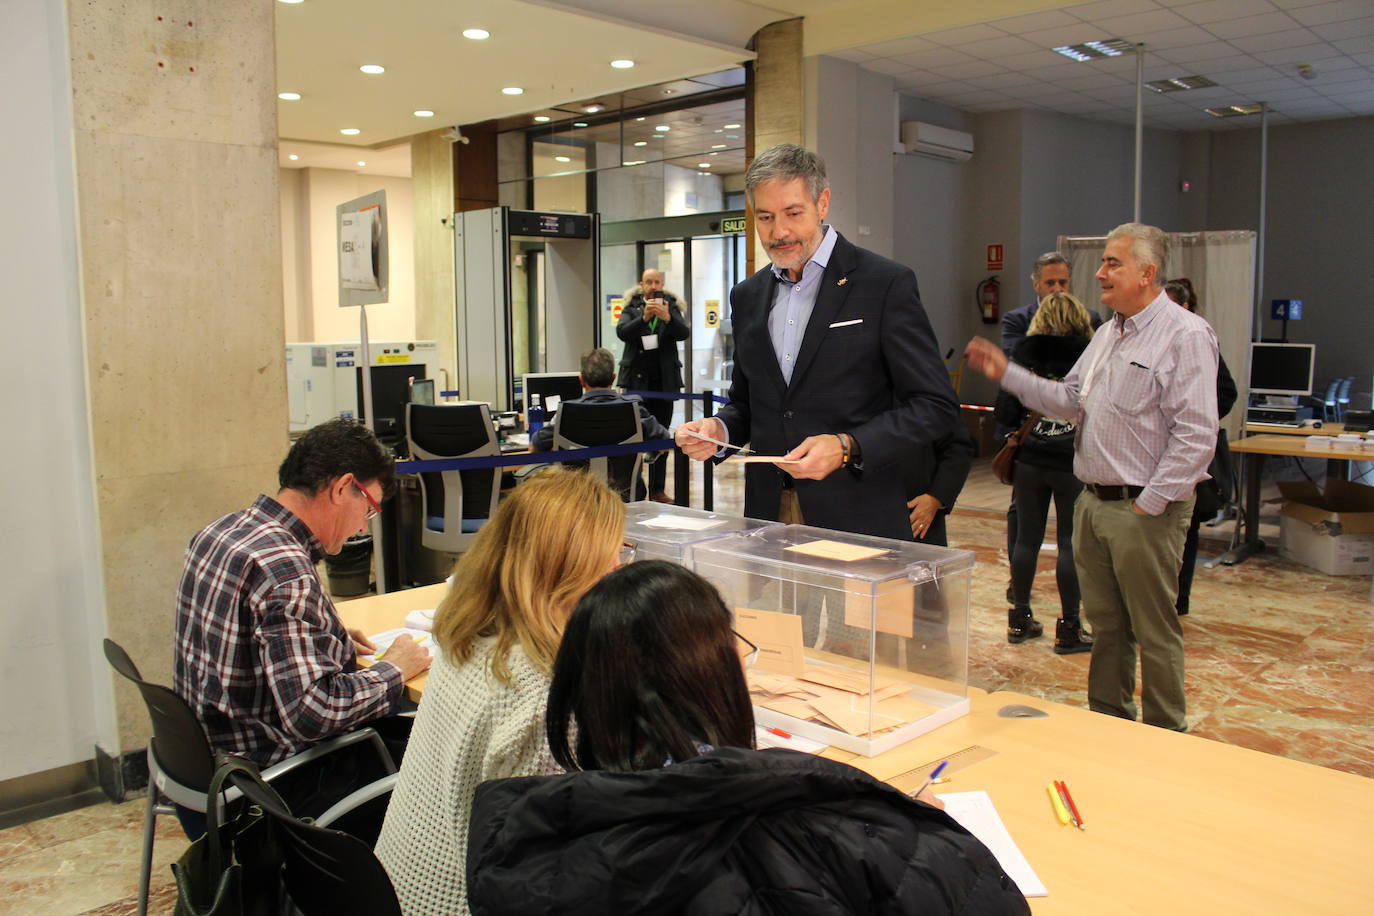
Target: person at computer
261 655
668 808
651 325
1210 495
497 630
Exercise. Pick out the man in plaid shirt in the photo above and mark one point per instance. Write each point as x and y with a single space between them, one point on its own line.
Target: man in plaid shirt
261 655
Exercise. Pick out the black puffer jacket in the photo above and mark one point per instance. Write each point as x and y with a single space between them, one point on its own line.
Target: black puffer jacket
1050 444
731 832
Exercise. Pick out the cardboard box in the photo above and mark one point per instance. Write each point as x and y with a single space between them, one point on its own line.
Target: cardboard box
1331 530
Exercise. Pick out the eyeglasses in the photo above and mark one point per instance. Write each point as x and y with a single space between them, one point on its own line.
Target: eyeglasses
373 510
627 552
748 652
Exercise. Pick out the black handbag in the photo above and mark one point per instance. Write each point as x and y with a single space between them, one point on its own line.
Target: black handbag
235 868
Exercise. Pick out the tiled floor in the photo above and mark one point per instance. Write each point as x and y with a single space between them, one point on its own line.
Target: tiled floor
1280 659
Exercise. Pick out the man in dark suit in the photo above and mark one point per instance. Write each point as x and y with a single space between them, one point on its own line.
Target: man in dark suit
651 324
836 367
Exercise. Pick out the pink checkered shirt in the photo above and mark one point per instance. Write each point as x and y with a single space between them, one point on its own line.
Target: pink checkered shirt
261 655
1144 394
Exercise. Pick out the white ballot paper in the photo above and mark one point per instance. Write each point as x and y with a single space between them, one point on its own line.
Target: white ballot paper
977 814
683 523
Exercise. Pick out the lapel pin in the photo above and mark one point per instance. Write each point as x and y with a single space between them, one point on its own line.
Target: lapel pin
842 281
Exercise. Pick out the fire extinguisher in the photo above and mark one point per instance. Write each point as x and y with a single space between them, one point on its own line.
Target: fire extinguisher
987 295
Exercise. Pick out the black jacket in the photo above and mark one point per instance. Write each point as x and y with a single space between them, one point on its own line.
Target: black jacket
1051 443
731 832
868 365
635 361
542 440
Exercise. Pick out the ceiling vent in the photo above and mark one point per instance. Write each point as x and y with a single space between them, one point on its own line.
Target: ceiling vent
924 139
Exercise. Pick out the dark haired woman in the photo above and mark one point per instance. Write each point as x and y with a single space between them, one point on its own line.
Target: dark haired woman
668 809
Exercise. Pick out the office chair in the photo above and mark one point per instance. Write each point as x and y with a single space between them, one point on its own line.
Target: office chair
327 871
579 424
456 504
180 761
1329 401
1343 397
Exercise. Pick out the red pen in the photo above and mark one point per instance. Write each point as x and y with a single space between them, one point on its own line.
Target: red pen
776 731
1077 818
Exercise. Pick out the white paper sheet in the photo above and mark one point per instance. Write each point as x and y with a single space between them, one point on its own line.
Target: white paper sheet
384 639
421 619
683 523
976 812
764 737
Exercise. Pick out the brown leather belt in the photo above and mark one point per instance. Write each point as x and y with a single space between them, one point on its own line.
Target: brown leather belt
1113 491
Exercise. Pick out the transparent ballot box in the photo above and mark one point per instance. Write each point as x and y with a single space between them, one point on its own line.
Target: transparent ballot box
661 531
862 641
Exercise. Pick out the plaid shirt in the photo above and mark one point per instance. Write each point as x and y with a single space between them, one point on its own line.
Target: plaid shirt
1144 394
262 656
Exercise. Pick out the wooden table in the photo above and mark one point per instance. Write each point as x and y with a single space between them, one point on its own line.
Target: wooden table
1175 823
1256 449
1328 429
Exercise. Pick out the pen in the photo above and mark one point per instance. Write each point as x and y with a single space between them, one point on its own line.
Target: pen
776 731
1058 803
743 449
1077 818
934 774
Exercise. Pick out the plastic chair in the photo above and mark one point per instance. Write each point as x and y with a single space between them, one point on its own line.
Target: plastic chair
456 503
579 424
1329 401
1343 397
327 871
181 762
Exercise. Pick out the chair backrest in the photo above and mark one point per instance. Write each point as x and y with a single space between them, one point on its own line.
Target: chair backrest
179 742
326 871
579 424
450 497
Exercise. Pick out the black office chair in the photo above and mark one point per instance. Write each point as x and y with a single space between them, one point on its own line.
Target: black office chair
180 761
579 424
327 871
456 503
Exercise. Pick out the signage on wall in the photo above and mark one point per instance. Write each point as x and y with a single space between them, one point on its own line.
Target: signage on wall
616 305
713 313
994 257
732 224
1285 309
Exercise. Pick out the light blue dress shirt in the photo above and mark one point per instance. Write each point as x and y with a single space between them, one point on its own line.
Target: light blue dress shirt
793 303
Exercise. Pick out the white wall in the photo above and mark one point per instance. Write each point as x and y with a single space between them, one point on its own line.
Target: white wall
310 265
55 689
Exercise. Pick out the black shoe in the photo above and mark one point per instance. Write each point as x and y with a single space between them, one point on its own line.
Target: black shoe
1021 626
1011 596
1069 637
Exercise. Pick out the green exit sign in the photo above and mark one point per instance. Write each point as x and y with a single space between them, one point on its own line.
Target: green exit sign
732 224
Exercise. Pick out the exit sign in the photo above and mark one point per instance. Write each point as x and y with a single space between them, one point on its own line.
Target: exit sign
732 224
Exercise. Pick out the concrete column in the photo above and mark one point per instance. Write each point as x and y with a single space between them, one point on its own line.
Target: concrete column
174 107
431 174
778 98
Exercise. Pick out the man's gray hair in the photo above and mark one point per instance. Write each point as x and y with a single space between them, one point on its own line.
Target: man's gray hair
598 368
785 162
1149 245
1045 260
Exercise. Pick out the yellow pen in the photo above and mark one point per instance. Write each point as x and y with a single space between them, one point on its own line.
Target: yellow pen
1059 810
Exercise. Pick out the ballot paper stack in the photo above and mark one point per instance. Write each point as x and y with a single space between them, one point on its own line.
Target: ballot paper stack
855 641
664 532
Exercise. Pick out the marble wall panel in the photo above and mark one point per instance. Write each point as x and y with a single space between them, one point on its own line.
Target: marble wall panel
431 172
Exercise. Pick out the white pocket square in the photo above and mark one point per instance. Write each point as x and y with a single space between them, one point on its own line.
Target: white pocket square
845 324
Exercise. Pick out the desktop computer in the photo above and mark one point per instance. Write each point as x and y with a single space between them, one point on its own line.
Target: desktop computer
324 380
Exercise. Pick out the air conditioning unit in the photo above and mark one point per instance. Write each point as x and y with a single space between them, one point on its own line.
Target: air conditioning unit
925 139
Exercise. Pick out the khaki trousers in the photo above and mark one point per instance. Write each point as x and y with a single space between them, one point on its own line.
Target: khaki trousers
1128 569
789 509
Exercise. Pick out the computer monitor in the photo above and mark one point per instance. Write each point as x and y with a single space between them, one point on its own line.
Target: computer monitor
390 392
422 391
562 385
1281 368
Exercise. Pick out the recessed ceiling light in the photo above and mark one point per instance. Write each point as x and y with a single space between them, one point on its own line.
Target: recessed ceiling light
292 2
476 34
361 162
372 68
513 90
663 128
713 154
641 143
703 165
423 113
592 109
542 119
1094 50
622 64
350 131
579 124
732 127
289 96
293 157
669 91
717 146
633 162
562 159
639 119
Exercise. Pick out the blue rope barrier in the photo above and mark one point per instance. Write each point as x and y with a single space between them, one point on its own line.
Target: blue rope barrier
677 396
518 459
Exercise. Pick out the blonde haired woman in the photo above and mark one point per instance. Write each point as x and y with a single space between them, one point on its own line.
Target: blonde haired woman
496 634
1057 336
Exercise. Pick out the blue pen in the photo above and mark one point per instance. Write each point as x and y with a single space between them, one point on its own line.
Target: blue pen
934 775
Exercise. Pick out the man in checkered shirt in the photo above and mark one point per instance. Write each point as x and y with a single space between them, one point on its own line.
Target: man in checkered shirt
1144 396
261 655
